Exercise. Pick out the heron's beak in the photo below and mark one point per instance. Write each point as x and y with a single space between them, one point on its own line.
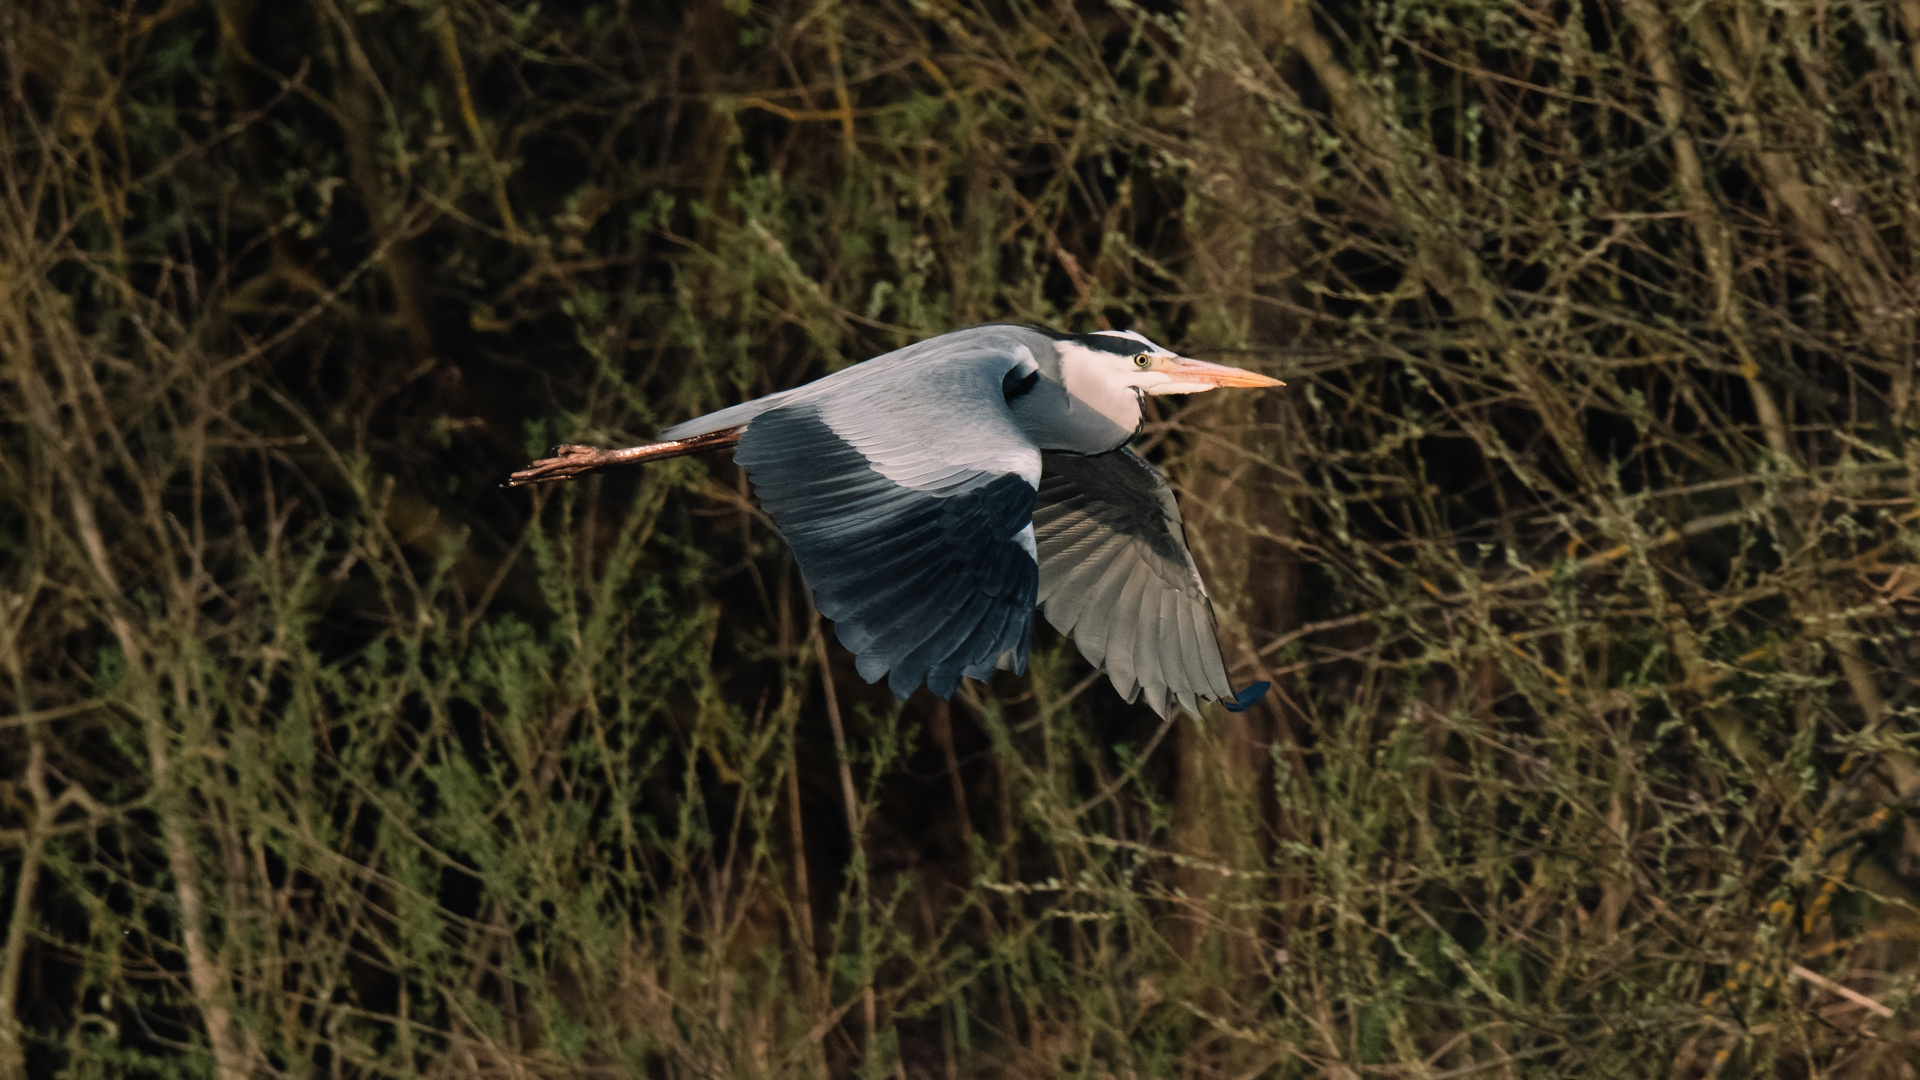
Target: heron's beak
1194 376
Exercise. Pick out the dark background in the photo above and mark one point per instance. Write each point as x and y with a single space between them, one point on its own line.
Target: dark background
1580 548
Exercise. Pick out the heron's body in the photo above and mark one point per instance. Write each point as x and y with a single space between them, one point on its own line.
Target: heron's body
935 495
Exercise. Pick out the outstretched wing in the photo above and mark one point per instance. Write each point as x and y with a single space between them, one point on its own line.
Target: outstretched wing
906 494
1115 574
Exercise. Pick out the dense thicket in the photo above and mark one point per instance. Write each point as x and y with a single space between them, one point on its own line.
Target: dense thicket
1581 549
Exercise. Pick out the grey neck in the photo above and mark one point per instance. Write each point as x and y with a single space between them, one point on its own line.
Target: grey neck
1072 409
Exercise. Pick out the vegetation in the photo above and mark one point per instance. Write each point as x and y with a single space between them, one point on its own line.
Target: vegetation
1581 549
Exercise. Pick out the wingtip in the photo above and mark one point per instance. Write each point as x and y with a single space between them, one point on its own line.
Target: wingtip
1246 698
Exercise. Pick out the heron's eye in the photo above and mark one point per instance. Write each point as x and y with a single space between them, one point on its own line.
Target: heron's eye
1143 361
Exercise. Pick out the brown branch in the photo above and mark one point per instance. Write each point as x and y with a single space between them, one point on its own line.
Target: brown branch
463 93
573 460
840 96
1855 996
800 116
1716 244
869 1002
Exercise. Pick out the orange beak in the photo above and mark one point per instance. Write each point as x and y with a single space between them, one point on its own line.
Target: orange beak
1199 371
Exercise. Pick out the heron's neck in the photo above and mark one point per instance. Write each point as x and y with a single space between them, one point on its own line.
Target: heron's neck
1083 412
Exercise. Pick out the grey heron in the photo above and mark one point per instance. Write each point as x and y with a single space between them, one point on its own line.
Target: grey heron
934 496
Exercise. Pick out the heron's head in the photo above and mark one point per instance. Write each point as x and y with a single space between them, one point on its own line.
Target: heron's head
1124 358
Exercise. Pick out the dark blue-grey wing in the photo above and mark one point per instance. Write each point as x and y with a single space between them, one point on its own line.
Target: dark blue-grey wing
920 552
1115 574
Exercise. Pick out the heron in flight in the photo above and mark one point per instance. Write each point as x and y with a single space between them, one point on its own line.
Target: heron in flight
934 496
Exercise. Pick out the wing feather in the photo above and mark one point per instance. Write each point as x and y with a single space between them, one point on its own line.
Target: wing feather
1147 658
903 494
1087 564
1094 635
1116 576
1123 631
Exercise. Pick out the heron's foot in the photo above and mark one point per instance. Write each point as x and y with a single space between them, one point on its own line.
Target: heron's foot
568 461
572 459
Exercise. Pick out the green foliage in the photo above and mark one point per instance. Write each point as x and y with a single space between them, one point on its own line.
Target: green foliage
1580 549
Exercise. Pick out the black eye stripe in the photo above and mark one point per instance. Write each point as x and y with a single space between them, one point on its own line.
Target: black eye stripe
1108 343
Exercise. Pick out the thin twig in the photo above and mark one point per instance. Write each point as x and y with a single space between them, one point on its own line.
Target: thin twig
869 1004
1855 996
1121 780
